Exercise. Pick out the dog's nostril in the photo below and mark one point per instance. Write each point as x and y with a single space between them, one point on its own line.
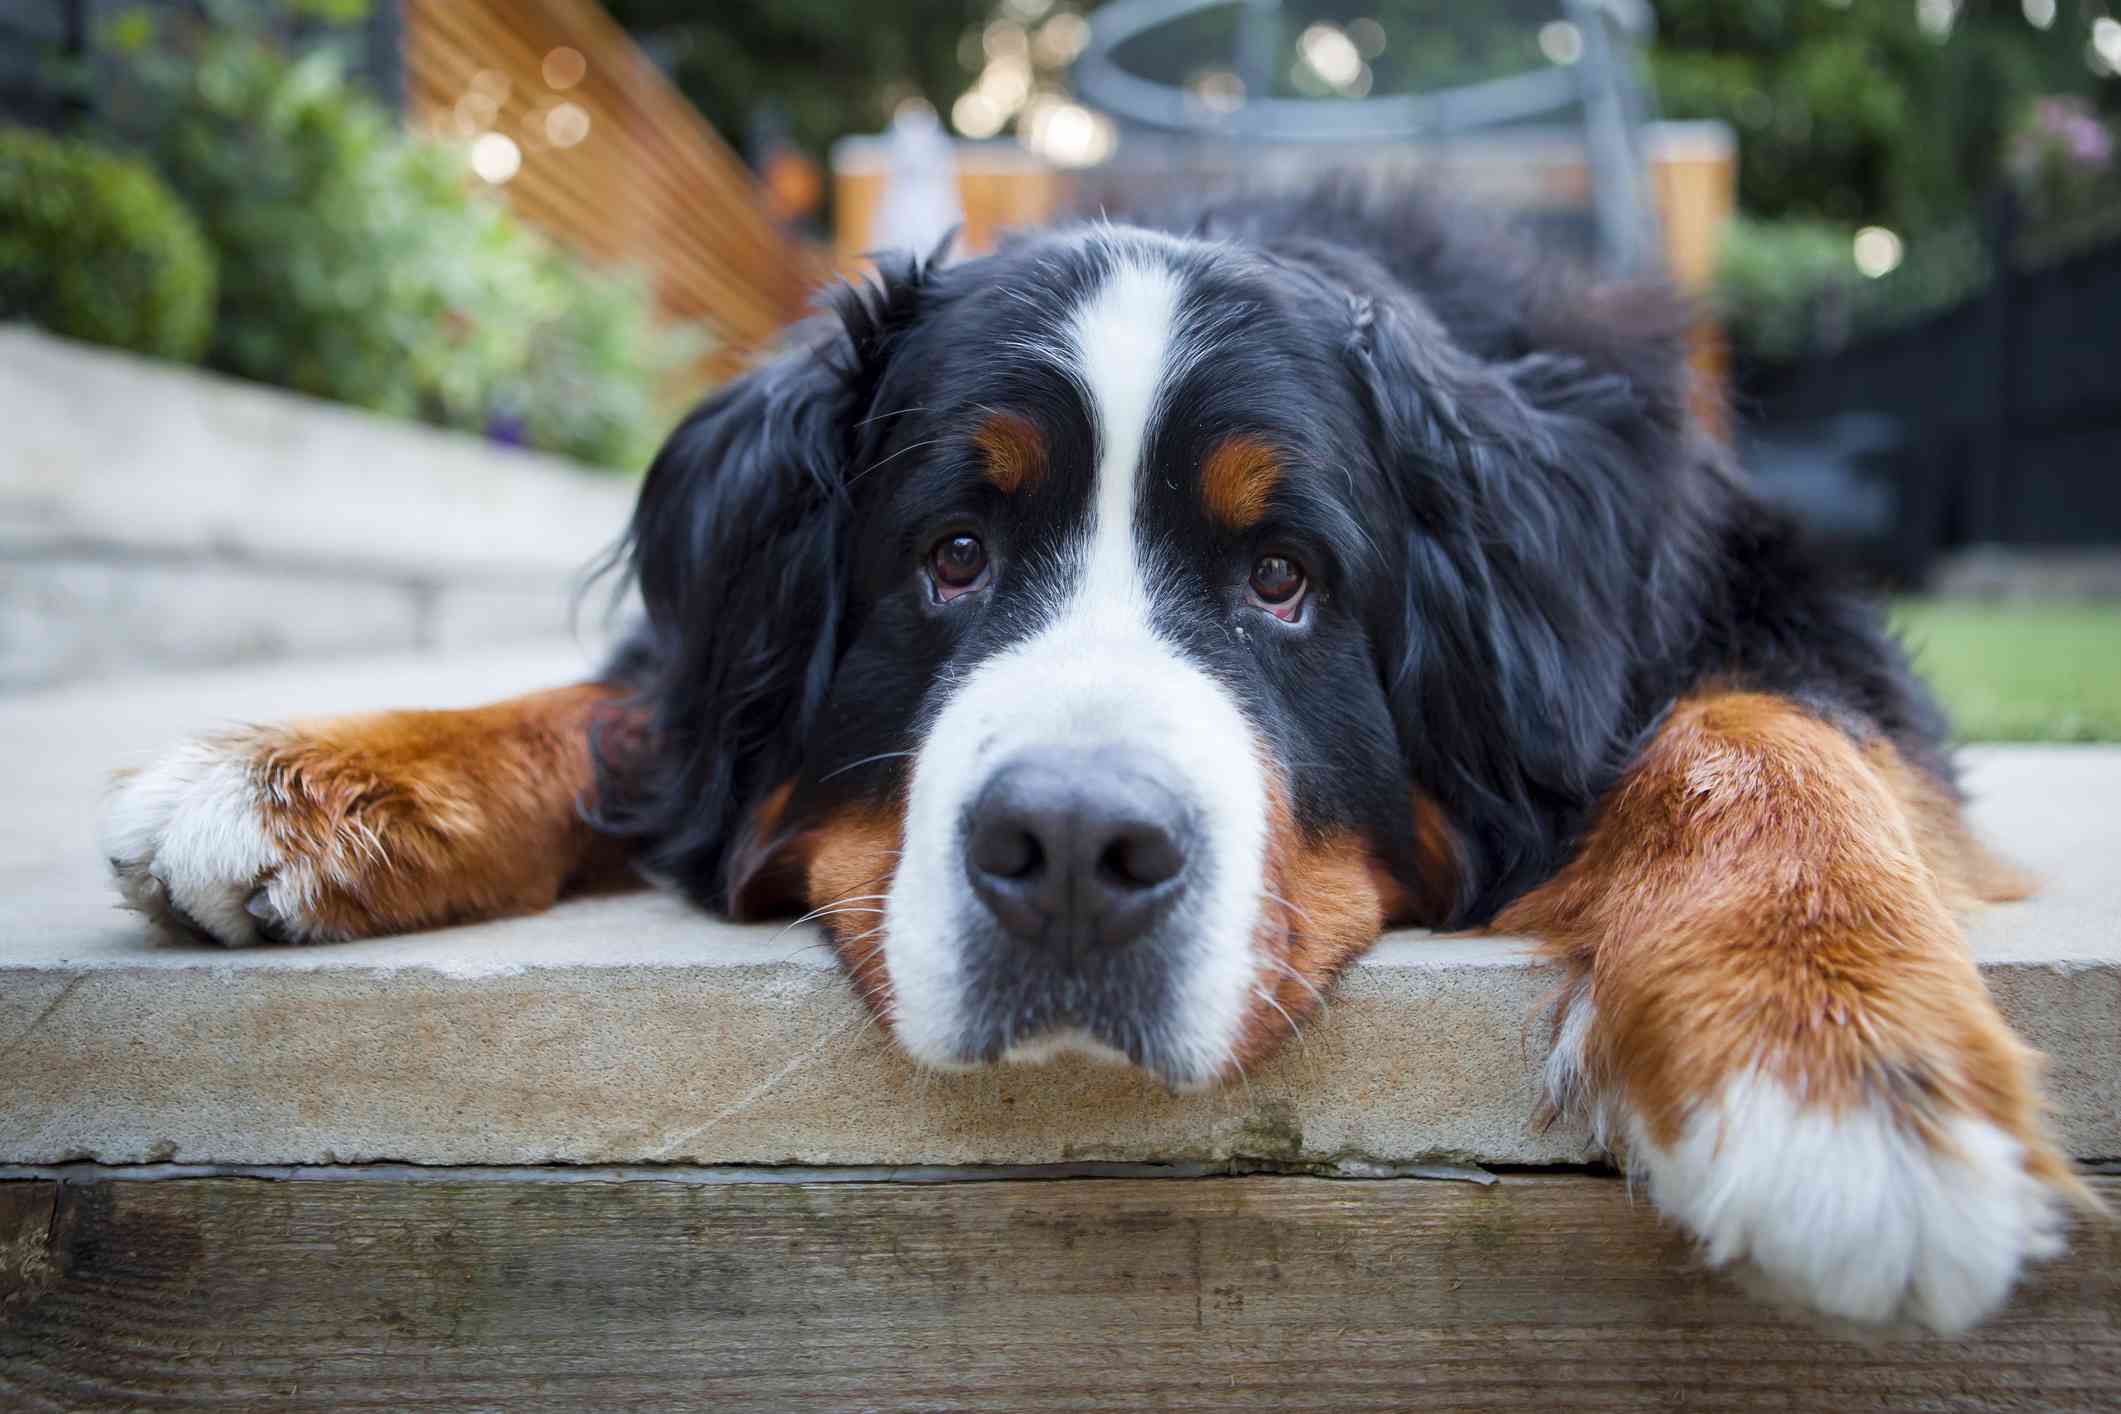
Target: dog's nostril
1141 859
1074 848
1006 851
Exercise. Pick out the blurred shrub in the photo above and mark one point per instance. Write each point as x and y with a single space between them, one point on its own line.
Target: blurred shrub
2061 163
1888 113
2059 153
1777 281
1788 288
601 371
94 246
359 263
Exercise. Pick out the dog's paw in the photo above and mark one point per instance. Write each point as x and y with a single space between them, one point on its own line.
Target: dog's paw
1858 1212
197 846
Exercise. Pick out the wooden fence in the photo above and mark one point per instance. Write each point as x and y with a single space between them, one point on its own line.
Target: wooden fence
602 153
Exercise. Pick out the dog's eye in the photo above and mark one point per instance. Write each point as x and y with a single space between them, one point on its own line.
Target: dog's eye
957 562
1278 586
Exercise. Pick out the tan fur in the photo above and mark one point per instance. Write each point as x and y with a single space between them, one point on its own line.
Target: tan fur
850 858
412 820
766 863
1967 872
1236 480
1441 860
1326 900
1756 892
1014 451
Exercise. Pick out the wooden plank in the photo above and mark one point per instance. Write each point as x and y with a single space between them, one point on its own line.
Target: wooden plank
26 1214
1541 1291
652 183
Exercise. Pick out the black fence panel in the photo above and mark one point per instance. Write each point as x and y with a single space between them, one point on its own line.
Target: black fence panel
2004 414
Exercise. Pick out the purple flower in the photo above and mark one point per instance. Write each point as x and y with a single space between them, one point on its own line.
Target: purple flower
507 429
2089 143
2062 139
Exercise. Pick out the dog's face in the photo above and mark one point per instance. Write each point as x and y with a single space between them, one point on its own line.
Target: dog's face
1076 592
1110 586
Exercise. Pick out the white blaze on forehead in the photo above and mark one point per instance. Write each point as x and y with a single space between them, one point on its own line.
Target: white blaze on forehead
1122 354
1097 676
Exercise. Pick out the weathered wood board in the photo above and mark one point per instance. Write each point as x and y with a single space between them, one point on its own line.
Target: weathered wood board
1539 1292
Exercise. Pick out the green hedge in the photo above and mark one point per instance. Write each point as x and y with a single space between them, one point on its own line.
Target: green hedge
365 264
94 246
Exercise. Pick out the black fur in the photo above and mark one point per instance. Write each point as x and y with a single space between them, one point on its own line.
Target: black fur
1526 551
740 547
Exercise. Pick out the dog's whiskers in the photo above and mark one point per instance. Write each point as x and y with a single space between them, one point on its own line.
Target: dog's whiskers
914 447
1302 981
1302 1043
1277 898
866 760
831 910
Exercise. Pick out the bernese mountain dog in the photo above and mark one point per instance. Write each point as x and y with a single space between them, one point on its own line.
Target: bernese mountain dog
1109 637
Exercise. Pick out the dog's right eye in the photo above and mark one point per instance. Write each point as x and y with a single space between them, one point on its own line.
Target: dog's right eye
1278 585
957 564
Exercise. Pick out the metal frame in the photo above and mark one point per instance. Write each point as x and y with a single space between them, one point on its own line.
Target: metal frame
1597 83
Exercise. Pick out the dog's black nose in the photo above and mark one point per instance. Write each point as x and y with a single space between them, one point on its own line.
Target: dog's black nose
1077 849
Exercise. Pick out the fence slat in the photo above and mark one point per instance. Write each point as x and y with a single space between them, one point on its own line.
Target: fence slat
651 184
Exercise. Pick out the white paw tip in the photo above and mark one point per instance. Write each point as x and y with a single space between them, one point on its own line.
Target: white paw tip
1852 1215
188 847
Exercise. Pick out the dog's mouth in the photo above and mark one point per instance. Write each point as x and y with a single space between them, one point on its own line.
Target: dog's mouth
1216 980
981 1002
1095 1045
1212 986
1064 1043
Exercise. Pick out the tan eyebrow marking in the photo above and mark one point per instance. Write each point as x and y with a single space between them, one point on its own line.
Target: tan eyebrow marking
1014 449
1236 480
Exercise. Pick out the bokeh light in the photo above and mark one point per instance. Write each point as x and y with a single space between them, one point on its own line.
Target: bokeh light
1936 17
495 157
1877 251
563 68
1068 134
975 115
1331 55
1561 42
2106 40
1217 91
1060 40
566 125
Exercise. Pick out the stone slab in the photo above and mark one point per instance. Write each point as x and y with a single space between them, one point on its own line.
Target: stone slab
66 618
107 451
632 1029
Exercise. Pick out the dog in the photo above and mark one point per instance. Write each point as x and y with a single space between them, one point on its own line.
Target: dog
1109 637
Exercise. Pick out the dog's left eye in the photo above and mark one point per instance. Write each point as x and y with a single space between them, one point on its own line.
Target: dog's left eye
957 564
1277 585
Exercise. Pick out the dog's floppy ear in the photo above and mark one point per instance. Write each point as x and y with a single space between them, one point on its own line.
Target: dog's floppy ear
1518 565
739 546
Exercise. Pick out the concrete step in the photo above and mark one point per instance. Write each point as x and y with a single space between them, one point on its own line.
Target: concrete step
217 522
633 1029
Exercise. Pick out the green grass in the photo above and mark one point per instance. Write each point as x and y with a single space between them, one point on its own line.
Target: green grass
2020 672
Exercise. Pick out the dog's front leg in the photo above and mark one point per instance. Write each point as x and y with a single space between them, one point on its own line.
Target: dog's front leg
358 826
1772 1017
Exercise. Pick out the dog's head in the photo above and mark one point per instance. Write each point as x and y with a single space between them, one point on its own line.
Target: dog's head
1109 637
